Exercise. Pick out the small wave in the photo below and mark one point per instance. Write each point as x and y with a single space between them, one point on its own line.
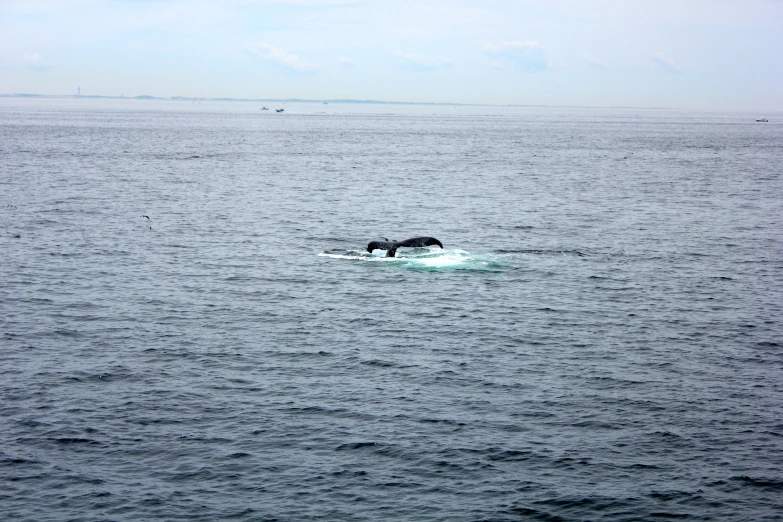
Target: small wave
75 440
356 445
429 260
540 252
760 482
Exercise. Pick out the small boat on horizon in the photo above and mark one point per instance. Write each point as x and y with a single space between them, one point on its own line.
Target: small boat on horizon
264 108
763 120
279 110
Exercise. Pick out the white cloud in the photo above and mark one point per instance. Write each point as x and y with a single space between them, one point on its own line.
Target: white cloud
281 57
595 61
35 62
420 62
529 56
665 64
32 59
346 61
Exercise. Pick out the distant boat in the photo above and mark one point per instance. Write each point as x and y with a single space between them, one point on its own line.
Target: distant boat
264 108
279 110
763 120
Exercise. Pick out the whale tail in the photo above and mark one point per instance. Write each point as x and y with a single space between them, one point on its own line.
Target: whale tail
392 246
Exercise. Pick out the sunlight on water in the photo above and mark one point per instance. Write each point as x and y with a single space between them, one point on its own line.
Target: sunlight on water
429 260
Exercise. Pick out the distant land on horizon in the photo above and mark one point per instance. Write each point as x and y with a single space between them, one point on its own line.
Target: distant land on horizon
301 100
186 98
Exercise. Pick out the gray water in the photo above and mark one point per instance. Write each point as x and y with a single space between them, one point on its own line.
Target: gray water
600 338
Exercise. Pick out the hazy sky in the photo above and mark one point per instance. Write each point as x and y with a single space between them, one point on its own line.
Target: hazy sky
703 54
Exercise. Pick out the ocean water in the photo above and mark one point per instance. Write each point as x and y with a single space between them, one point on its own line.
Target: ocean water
599 339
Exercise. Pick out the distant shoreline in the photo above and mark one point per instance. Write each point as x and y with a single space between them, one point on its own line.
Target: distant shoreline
300 100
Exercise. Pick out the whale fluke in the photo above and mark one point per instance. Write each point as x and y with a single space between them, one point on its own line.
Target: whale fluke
381 245
392 246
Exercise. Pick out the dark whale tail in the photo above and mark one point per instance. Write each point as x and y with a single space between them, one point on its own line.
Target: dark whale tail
392 246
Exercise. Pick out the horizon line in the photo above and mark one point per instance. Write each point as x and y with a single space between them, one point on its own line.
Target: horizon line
327 101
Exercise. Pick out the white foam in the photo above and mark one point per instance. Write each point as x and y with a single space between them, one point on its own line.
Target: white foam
357 256
439 261
427 259
337 256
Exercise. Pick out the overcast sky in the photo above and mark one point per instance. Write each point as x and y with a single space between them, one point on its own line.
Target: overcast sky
700 54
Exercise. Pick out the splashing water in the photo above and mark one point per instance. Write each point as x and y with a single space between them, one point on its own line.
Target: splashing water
429 260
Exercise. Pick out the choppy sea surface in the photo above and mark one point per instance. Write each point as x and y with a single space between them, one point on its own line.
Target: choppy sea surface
600 338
